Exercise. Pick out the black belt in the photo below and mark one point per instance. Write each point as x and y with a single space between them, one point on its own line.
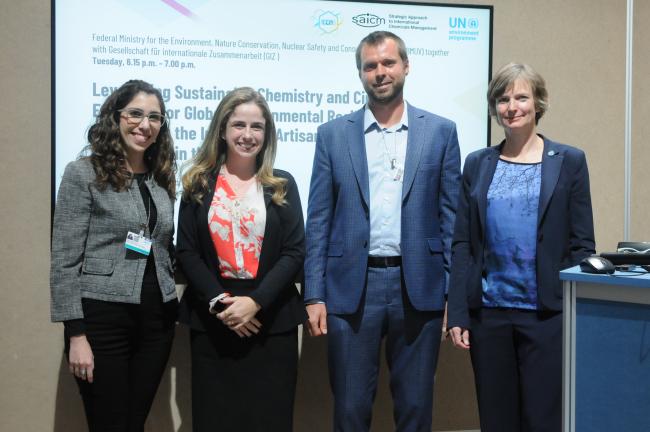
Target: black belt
380 261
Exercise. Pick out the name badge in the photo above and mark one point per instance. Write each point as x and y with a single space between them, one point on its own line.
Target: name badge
398 170
138 243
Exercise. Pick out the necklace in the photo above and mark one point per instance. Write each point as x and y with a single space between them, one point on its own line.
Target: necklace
392 155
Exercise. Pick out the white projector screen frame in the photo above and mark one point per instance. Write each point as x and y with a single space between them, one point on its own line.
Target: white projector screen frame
298 53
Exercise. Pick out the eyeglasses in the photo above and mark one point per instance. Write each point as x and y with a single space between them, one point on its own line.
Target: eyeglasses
135 116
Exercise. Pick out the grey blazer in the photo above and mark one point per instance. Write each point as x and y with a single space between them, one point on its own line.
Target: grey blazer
89 259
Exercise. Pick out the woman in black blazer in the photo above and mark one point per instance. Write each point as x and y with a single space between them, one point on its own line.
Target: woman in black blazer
523 215
241 247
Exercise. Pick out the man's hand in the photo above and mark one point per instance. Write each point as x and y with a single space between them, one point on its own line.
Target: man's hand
460 337
317 319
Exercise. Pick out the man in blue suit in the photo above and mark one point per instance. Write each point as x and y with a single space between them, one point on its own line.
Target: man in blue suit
379 226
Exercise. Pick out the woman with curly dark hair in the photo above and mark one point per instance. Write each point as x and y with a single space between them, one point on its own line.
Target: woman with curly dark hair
111 275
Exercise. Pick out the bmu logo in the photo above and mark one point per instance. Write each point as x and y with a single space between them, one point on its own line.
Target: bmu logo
461 23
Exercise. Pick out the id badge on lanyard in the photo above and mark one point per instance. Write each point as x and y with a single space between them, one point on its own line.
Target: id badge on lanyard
139 243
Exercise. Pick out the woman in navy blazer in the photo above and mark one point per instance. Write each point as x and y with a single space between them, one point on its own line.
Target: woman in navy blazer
524 214
241 245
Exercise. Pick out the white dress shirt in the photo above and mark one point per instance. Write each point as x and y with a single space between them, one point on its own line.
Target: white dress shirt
386 153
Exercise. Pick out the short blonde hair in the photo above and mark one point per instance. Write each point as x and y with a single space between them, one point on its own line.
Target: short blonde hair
506 77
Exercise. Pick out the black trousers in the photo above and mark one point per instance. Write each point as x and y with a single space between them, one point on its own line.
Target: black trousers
131 345
517 360
243 384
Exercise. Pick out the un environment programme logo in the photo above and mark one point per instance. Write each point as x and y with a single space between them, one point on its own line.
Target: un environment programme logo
327 21
368 20
463 28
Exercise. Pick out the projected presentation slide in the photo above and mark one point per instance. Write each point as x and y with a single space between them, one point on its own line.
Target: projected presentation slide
300 55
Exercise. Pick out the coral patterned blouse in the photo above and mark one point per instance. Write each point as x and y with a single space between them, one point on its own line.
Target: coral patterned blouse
236 226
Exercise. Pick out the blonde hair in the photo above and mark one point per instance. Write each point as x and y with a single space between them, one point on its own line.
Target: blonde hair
213 152
506 77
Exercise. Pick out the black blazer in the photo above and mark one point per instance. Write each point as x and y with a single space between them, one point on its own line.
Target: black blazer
281 259
565 227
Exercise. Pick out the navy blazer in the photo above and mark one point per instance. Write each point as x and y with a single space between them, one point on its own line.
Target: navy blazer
565 228
281 259
338 216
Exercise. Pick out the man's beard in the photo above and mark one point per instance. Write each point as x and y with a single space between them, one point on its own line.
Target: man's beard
384 98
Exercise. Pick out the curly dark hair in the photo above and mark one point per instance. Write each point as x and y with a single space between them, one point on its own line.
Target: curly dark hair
107 151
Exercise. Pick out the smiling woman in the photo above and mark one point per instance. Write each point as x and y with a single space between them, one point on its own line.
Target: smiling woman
524 213
140 123
516 106
111 273
241 245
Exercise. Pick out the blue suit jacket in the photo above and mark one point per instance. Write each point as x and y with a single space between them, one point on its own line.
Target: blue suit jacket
565 228
338 222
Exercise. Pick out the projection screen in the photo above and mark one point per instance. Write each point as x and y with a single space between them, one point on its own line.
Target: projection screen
298 53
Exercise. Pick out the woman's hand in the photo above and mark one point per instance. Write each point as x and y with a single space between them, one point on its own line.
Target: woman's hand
80 360
460 337
239 315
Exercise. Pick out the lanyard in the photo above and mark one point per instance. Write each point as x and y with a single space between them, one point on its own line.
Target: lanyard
143 226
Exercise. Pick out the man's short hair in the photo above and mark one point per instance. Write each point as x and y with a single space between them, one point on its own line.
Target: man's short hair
377 37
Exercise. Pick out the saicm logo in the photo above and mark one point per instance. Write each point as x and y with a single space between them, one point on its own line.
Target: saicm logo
368 20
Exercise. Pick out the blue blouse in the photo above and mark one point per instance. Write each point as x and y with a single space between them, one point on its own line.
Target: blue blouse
511 236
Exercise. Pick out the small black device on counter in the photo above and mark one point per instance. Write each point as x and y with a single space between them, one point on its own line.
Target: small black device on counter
629 253
633 247
597 264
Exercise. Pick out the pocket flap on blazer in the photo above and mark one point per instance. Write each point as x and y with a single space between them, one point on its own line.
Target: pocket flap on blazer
435 245
98 266
428 167
335 250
